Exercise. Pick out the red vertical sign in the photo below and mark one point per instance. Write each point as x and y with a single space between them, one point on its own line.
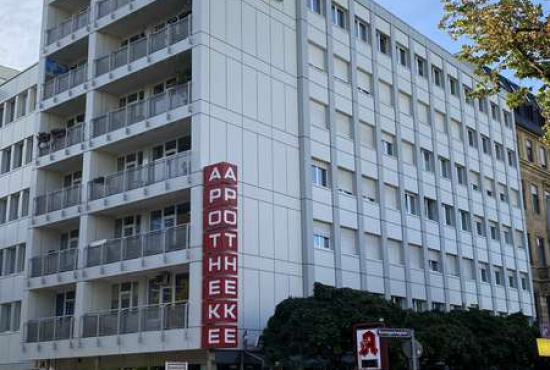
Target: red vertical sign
220 259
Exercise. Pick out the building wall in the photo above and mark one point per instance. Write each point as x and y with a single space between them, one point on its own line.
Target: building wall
534 171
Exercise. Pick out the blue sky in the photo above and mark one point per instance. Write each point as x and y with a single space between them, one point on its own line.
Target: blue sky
20 26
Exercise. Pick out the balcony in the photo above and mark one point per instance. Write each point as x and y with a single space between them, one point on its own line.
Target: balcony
138 246
49 329
153 42
141 176
63 139
57 200
54 263
135 320
106 7
74 23
65 81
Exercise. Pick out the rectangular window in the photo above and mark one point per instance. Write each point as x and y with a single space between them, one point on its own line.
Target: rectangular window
498 276
341 69
364 81
465 220
345 181
543 157
339 16
507 119
344 125
385 92
453 86
529 151
507 233
361 30
472 138
484 273
14 206
541 251
388 144
405 103
10 111
535 199
29 147
421 66
486 144
395 252
434 260
407 153
383 43
411 203
321 235
23 98
373 247
511 158
367 134
437 76
430 209
495 112
512 281
318 114
499 152
482 105
317 57
480 226
18 154
445 166
449 215
316 6
5 317
21 255
489 187
392 197
456 130
370 189
3 210
6 160
403 56
467 95
416 256
461 174
319 174
25 203
493 228
428 160
423 113
474 178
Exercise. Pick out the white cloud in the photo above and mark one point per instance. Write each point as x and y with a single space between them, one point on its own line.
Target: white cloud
20 22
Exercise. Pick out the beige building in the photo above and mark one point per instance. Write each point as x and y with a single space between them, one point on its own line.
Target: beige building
535 172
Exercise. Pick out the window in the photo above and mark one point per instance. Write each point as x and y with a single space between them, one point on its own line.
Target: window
6 160
339 16
535 199
524 282
321 235
395 252
405 103
503 193
3 210
25 203
388 144
449 214
23 98
29 146
403 56
421 66
529 152
428 160
486 144
512 281
10 111
474 178
461 174
543 157
507 233
317 57
434 260
1 115
364 81
10 317
499 152
9 256
511 158
344 125
411 203
370 189
430 209
69 240
440 122
318 114
14 206
493 228
341 69
484 274
316 6
437 76
495 113
386 95
468 269
456 130
480 226
465 221
489 187
361 30
407 153
467 95
423 113
498 276
445 166
124 295
541 251
18 154
392 197
482 104
319 175
367 134
345 181
453 86
348 241
383 43
507 119
416 256
373 247
472 138
452 265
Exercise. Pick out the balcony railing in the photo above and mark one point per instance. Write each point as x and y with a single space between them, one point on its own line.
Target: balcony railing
57 200
65 81
141 110
135 320
138 246
106 7
72 24
50 329
54 262
141 176
153 42
72 136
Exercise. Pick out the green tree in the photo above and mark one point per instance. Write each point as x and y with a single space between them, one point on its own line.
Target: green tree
319 330
504 35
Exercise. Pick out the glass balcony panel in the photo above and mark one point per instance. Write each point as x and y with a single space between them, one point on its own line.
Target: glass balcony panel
158 40
102 65
180 30
113 251
138 49
151 318
32 331
37 264
49 89
158 104
51 263
176 238
108 323
114 184
103 8
46 333
129 321
63 82
99 126
90 326
135 178
153 243
132 247
72 196
117 119
93 256
67 260
120 58
136 112
175 316
40 205
63 327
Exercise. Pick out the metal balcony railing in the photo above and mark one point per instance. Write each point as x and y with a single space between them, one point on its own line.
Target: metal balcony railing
141 110
49 329
59 199
141 176
135 320
72 24
106 7
65 81
151 43
138 246
73 136
54 262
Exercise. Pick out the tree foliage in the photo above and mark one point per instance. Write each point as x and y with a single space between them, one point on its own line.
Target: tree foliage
503 35
318 330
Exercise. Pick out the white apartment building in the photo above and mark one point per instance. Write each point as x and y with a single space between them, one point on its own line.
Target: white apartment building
360 162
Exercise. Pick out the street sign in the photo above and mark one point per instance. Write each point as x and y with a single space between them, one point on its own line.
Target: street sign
394 333
369 352
176 365
407 349
543 346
